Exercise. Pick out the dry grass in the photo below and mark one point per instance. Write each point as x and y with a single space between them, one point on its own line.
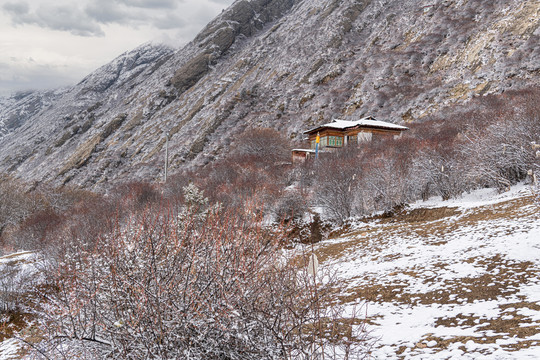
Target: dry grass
429 224
495 277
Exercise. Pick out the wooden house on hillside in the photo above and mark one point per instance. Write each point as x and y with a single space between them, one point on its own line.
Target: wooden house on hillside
340 133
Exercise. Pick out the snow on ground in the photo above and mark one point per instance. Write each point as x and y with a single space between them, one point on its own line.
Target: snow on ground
20 274
481 197
447 280
443 280
10 349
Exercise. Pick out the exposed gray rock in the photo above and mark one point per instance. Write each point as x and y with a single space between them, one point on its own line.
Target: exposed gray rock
191 72
285 64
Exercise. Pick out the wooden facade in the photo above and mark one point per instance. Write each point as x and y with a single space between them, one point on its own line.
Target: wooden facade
340 133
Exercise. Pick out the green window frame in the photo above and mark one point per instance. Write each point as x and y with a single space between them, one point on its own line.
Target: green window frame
336 141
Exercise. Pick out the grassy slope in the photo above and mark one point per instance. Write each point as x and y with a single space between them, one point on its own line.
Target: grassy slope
447 280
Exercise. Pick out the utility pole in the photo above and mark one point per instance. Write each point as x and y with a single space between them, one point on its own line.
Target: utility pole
166 155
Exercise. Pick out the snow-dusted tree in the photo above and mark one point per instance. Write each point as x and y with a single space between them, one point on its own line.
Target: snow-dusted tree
186 287
336 186
501 155
436 172
290 207
196 205
387 184
253 171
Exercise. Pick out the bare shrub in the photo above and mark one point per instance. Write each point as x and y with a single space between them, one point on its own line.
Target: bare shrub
34 232
386 185
262 145
211 287
290 207
438 173
336 187
254 171
15 203
501 154
136 194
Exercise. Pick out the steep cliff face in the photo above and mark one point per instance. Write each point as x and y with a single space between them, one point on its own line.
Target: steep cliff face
286 64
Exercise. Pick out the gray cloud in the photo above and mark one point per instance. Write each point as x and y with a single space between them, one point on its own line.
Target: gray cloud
17 9
37 77
106 12
47 55
55 17
168 22
67 18
151 4
85 17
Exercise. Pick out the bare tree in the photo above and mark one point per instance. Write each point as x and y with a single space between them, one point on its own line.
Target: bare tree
264 145
501 155
336 188
436 172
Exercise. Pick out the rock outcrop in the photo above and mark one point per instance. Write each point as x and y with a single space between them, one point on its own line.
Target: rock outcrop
286 64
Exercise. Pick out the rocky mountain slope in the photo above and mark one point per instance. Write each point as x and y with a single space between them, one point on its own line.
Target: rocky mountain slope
18 108
286 64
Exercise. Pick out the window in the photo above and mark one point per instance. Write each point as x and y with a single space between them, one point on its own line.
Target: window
336 141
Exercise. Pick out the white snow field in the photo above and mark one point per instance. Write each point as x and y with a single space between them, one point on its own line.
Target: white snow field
447 280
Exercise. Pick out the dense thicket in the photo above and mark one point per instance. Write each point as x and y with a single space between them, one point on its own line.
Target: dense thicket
134 275
193 284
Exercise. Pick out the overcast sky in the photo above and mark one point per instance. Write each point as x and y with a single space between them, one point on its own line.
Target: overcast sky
51 43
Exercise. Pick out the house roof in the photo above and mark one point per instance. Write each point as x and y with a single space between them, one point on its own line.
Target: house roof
304 150
367 122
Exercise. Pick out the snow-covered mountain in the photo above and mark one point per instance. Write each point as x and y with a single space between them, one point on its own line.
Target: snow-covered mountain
286 64
15 110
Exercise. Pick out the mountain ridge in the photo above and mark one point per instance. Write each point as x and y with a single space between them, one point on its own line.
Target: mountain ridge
284 64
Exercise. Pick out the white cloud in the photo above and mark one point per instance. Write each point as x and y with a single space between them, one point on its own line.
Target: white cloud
51 43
